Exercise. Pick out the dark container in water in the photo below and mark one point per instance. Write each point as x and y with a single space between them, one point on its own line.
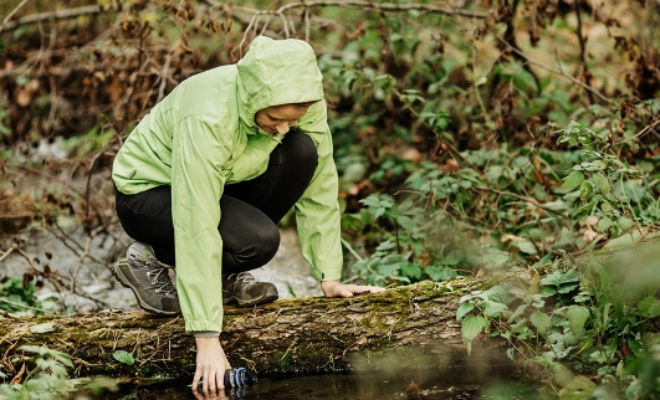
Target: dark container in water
235 378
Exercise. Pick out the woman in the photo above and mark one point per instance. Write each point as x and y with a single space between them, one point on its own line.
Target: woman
248 141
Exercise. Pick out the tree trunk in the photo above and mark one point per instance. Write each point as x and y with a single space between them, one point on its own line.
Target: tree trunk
293 335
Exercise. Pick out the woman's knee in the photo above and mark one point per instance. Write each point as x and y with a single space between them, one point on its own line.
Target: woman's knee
299 150
260 249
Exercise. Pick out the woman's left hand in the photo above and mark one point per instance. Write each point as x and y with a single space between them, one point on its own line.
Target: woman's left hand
337 289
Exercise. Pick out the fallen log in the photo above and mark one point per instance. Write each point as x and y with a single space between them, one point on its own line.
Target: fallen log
293 335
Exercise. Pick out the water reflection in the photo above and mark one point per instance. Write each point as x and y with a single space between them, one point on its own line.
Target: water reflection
433 373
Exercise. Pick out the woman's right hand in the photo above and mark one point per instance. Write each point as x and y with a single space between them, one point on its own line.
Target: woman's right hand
211 365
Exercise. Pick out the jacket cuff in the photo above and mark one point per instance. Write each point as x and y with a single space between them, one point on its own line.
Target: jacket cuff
201 325
333 274
206 334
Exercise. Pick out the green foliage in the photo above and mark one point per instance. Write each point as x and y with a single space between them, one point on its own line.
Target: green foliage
92 142
471 327
48 379
123 357
407 248
581 179
601 322
14 297
4 130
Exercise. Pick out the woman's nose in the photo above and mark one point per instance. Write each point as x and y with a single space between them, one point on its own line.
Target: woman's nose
282 128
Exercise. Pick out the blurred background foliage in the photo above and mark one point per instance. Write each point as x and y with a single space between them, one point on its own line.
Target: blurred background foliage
472 138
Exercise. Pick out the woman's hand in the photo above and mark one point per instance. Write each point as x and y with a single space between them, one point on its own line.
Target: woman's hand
336 289
211 365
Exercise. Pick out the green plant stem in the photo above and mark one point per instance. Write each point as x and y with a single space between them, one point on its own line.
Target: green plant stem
351 250
11 303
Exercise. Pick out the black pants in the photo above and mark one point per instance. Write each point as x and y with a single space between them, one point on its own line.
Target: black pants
249 210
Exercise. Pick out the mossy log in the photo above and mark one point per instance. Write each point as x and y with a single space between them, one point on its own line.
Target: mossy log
294 335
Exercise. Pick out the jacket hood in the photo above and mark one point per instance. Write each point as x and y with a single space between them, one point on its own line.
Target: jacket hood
276 72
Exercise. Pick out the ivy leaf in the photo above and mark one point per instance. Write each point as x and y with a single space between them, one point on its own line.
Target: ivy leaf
440 274
577 316
525 246
573 180
601 182
123 357
649 307
604 224
541 321
567 288
411 270
378 205
472 326
494 308
464 309
558 278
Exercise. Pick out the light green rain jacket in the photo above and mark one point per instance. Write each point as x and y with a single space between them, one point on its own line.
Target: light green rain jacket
203 136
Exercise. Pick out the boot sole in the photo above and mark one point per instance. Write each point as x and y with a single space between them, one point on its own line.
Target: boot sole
127 284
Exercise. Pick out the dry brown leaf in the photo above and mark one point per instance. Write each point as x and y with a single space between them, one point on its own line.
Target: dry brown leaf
507 237
450 166
589 235
18 378
412 154
591 220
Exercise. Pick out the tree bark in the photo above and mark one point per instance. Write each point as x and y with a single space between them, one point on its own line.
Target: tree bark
294 335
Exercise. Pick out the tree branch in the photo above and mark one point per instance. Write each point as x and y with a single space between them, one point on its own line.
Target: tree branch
555 71
59 15
372 6
583 48
12 13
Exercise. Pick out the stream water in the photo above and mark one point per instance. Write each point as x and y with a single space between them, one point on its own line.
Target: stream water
409 384
410 373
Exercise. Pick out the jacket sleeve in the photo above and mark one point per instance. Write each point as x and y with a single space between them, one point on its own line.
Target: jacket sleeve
317 210
199 160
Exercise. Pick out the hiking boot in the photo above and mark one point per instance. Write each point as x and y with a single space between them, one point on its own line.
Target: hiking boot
243 289
148 278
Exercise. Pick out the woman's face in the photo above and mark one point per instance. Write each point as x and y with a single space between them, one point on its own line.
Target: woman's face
278 119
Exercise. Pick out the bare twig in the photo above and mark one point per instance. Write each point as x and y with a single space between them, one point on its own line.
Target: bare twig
517 196
60 15
89 179
266 22
555 71
164 77
11 303
648 128
307 24
46 175
65 239
12 13
583 49
81 259
285 24
9 315
53 104
8 252
31 265
57 280
371 6
245 34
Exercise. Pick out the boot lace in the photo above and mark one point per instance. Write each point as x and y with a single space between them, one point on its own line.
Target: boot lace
160 280
157 274
242 279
